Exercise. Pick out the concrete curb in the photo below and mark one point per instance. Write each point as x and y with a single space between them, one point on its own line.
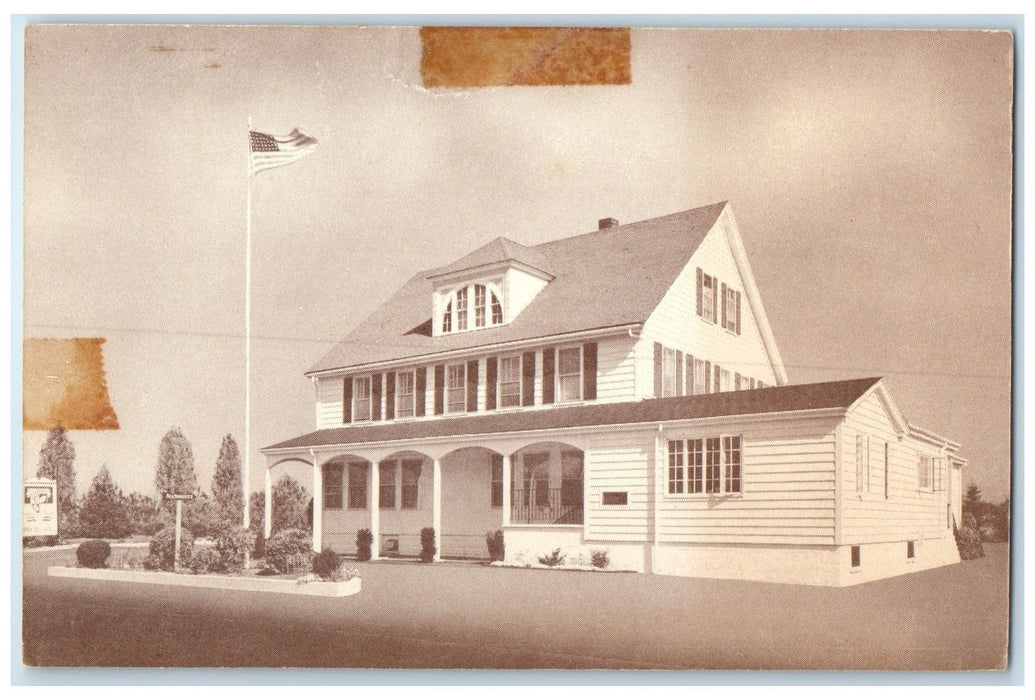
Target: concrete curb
329 589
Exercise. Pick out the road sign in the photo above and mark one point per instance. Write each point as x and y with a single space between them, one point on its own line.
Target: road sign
178 496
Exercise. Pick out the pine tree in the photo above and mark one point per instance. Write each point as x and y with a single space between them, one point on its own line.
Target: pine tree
289 505
104 513
174 472
226 483
57 461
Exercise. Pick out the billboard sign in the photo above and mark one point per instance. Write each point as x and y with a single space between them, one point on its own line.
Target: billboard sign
39 508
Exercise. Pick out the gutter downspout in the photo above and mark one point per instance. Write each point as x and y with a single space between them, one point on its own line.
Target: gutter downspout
658 483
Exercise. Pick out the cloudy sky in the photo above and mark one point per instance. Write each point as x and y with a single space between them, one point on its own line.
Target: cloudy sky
870 174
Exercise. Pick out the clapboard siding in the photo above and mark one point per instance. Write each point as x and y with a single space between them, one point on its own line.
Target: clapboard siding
908 512
676 325
616 369
619 461
788 489
328 402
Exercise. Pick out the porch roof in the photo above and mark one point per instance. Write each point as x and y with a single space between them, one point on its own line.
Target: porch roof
780 399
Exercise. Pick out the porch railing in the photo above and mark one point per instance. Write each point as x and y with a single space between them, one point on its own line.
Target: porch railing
546 506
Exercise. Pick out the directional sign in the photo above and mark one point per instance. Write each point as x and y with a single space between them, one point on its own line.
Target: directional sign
178 496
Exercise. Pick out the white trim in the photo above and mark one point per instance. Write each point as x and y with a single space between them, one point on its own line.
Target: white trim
446 279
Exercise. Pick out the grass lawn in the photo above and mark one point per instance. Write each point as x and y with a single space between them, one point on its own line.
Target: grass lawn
454 615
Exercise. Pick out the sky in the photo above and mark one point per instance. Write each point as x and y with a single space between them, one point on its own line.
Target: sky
869 172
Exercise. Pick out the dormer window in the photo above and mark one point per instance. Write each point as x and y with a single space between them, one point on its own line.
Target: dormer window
457 314
461 309
447 318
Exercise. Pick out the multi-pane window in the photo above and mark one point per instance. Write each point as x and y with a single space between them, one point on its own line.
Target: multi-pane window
571 478
923 467
410 482
708 298
479 305
731 463
386 487
404 394
668 372
732 306
497 310
510 381
695 466
496 481
456 388
360 398
357 486
939 473
700 377
447 318
712 466
332 478
705 465
676 483
569 374
461 309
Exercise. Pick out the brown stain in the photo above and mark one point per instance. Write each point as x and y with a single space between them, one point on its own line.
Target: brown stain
213 65
465 57
64 383
162 48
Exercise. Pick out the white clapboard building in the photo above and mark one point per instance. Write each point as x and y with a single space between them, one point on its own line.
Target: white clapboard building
616 391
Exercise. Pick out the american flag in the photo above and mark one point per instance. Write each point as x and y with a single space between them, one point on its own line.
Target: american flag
274 151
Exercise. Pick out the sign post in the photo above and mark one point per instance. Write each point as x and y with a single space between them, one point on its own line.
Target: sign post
179 498
39 508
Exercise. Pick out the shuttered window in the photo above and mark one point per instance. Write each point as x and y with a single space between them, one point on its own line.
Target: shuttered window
924 472
569 374
510 381
360 398
456 388
668 372
700 377
405 391
707 296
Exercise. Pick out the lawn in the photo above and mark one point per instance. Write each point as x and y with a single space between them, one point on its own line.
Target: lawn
454 615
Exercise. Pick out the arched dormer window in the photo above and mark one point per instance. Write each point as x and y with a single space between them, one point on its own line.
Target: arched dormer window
488 308
447 318
461 309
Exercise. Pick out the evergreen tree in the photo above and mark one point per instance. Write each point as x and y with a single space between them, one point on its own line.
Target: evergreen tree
104 513
226 483
290 499
57 461
174 472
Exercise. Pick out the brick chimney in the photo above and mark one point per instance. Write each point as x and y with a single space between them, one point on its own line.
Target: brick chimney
609 222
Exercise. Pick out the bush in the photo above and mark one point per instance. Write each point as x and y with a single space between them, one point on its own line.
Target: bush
494 541
427 544
206 560
325 563
600 558
93 554
553 559
160 549
968 539
286 549
232 544
364 538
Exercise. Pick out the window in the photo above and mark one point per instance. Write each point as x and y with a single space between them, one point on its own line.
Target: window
510 381
713 466
708 298
700 377
923 469
724 380
537 479
386 498
731 304
675 466
496 481
910 549
862 465
571 478
410 481
360 398
668 372
357 486
332 477
497 310
456 388
404 394
479 305
856 556
447 318
615 498
461 309
938 473
569 374
695 466
731 463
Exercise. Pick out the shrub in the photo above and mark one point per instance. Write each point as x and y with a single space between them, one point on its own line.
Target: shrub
232 543
206 560
600 558
325 563
364 538
494 541
286 548
553 559
427 544
968 539
160 549
93 554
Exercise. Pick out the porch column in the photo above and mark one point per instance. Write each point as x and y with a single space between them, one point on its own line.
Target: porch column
375 510
436 505
268 511
317 507
508 463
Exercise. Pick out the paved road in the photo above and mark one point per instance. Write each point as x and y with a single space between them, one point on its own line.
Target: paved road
472 616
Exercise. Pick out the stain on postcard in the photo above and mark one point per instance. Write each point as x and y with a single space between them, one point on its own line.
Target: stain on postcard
65 383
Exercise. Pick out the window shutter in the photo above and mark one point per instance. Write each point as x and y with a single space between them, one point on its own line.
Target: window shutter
700 292
738 313
724 309
375 397
716 384
752 382
679 373
490 383
657 370
440 389
472 385
549 357
707 377
715 301
736 381
689 375
389 395
421 389
528 378
589 371
346 401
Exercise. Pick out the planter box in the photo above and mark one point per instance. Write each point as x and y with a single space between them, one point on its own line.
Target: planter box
332 589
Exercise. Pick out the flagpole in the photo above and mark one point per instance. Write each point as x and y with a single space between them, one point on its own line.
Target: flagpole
248 336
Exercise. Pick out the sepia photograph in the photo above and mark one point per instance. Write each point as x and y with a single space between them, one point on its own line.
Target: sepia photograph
530 347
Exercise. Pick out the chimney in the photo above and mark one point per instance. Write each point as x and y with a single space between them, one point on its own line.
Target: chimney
609 222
